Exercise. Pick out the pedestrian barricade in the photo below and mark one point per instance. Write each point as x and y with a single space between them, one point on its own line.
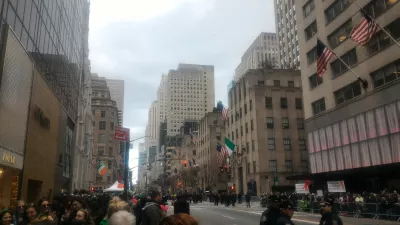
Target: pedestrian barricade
356 210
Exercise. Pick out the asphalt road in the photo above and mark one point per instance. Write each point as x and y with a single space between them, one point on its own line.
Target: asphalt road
211 215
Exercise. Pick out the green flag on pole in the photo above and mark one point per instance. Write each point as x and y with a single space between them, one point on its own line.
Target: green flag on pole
229 145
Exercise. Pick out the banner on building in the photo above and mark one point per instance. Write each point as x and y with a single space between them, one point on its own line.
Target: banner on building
121 134
336 186
302 188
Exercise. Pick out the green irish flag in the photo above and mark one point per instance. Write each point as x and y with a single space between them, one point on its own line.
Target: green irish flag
229 146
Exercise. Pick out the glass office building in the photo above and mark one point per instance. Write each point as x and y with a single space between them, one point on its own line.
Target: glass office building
55 33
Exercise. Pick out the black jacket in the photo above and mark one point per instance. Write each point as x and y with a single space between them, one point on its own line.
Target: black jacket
284 220
270 216
330 219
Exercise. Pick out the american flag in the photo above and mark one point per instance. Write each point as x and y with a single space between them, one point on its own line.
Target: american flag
324 54
224 114
221 153
364 31
95 162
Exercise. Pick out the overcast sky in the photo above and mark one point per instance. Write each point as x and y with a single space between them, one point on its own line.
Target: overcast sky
138 40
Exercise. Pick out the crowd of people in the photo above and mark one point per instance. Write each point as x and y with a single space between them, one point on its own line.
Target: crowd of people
87 208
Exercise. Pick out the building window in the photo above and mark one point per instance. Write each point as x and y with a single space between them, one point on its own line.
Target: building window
103 114
290 83
277 83
311 30
233 136
378 7
237 134
380 40
285 123
308 8
253 145
102 125
246 127
268 102
300 123
271 143
312 56
318 106
102 138
341 34
247 146
315 81
241 131
254 167
302 144
386 74
110 150
109 164
111 125
194 152
272 166
67 153
94 112
270 122
251 125
251 105
299 103
286 144
288 166
245 109
304 166
240 112
348 92
100 150
335 9
350 58
283 103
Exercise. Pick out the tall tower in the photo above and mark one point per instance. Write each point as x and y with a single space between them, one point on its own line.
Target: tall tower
117 94
286 31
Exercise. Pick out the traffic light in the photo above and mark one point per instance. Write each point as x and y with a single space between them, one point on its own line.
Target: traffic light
185 163
92 189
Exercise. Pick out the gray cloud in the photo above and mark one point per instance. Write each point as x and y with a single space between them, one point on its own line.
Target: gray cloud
140 52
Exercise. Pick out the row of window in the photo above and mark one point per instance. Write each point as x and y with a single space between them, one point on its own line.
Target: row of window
103 124
380 77
285 123
283 102
286 144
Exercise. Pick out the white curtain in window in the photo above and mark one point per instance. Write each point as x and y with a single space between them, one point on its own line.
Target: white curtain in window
374 151
344 132
339 158
336 135
362 130
325 161
347 157
395 144
322 138
310 143
385 150
351 123
316 141
329 137
332 159
355 155
371 129
392 117
381 125
313 165
365 156
318 159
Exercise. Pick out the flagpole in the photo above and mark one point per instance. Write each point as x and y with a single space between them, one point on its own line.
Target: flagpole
373 19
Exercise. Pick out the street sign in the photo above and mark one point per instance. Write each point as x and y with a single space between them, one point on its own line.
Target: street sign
121 134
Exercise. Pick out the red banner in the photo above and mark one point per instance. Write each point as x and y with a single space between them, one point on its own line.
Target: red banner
121 134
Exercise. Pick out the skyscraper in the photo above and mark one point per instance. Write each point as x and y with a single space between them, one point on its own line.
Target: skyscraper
190 95
286 31
264 49
117 94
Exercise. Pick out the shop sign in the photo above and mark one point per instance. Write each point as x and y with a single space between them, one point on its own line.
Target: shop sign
121 134
336 186
10 159
41 118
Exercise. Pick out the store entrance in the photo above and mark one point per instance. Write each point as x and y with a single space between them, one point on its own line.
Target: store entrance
9 181
34 189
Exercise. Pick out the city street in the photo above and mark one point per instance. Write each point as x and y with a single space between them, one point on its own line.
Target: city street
208 214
